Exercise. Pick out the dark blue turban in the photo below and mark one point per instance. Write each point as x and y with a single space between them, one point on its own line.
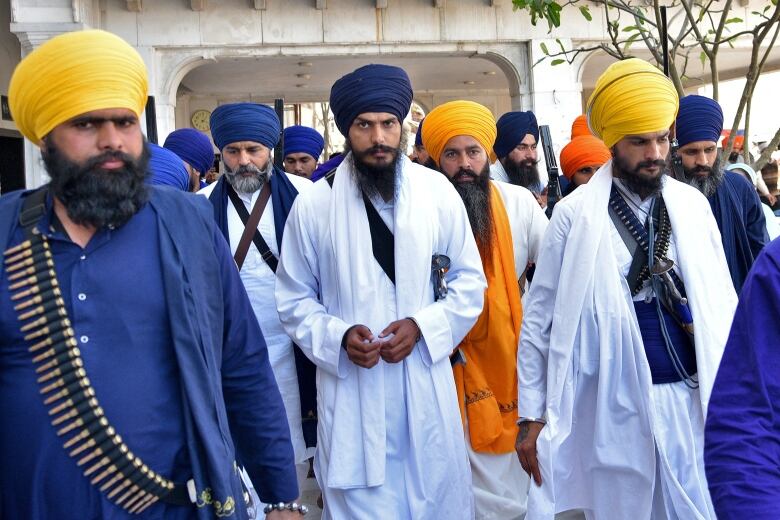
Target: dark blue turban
167 169
192 146
245 122
302 139
418 137
512 128
373 88
699 119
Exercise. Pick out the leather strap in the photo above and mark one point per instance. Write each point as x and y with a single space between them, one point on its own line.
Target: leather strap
382 240
251 233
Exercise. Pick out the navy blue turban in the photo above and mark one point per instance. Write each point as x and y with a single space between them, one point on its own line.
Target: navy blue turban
512 128
167 169
373 88
302 139
418 137
699 119
245 122
192 146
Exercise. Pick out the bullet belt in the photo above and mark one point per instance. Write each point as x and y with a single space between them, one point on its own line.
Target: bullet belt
75 412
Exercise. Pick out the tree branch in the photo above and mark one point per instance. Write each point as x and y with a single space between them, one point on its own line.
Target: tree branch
763 159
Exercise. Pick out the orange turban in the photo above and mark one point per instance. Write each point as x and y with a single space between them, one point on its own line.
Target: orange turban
580 126
458 118
582 151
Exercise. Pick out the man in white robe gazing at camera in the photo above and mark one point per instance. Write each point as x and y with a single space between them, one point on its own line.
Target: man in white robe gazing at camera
356 291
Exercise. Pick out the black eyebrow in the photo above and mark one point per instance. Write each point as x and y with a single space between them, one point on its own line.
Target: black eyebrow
101 120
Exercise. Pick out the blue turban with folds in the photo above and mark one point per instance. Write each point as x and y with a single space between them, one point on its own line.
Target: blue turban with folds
167 169
302 139
236 122
418 137
512 128
699 119
372 88
192 146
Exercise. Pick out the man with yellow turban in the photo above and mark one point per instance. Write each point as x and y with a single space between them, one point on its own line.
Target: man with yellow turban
508 226
581 158
132 370
617 358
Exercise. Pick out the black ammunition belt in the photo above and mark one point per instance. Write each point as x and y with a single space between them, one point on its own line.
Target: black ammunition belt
638 231
67 393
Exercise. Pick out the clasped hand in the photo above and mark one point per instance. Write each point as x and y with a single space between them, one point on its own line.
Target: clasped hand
393 344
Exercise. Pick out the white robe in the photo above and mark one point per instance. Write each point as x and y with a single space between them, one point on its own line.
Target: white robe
500 484
259 282
582 363
390 442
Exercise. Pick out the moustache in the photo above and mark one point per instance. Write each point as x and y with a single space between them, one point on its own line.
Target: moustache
464 175
92 163
660 163
528 163
380 148
701 169
247 168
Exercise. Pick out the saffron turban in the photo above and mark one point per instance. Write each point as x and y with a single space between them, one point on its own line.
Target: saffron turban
580 126
699 119
302 139
458 118
512 128
192 146
582 151
237 122
167 169
631 97
72 74
372 88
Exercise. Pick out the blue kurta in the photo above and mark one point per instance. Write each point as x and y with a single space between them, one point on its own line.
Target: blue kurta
737 210
116 295
742 437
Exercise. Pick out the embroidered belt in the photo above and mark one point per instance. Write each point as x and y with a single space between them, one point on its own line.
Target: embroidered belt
67 392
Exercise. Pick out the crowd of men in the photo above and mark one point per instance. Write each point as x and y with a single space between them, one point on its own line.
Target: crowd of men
417 336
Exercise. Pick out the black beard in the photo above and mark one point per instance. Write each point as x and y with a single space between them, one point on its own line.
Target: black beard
376 180
93 196
707 185
247 184
476 198
523 173
640 184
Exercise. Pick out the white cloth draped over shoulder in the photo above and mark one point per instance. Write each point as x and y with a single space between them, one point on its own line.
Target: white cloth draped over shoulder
328 281
581 359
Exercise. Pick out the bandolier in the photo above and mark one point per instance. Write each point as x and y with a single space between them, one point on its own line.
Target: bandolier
75 412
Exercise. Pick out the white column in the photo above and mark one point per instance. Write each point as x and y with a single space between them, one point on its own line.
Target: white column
166 119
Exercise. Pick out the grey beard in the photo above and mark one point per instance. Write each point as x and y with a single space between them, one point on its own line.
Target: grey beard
707 185
248 184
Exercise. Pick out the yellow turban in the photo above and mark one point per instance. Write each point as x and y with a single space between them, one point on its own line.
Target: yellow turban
458 118
631 97
72 74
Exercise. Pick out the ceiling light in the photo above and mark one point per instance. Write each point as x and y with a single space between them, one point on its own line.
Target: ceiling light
301 85
304 76
304 64
470 82
490 73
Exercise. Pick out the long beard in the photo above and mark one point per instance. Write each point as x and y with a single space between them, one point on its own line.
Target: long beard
523 173
707 185
376 180
640 184
96 197
476 198
248 178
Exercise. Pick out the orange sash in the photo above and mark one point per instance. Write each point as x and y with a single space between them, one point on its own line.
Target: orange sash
487 383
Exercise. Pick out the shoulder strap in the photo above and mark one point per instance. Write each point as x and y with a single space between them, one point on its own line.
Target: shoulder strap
251 233
639 259
382 240
33 208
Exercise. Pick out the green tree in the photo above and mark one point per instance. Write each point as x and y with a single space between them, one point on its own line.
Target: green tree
697 30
